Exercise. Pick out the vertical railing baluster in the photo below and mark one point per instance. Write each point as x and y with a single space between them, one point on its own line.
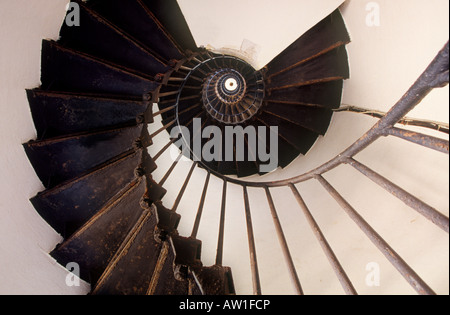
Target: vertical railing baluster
172 141
337 267
161 152
219 256
415 203
200 207
406 271
436 75
251 245
183 188
427 141
165 127
170 170
165 110
283 243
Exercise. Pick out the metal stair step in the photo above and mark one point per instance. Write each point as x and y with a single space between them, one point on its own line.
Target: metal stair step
119 48
132 16
68 70
69 205
60 159
96 242
58 113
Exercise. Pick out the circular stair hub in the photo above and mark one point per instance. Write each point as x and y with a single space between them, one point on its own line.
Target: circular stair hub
223 93
231 85
231 90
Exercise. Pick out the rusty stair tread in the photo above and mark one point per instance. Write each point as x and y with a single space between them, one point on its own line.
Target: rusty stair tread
315 119
325 95
331 66
131 269
169 14
216 280
328 34
147 264
61 113
91 113
136 17
72 71
59 159
120 48
166 281
95 243
67 206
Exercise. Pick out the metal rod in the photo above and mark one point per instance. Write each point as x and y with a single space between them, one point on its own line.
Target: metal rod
251 244
219 257
430 142
183 188
406 271
284 245
162 129
428 212
200 207
172 141
175 79
337 267
158 268
158 155
168 93
165 110
186 68
196 60
170 170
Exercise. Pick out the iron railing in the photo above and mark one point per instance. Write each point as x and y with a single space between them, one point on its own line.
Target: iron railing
435 76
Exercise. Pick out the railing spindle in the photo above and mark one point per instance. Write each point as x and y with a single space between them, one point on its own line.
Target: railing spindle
252 246
406 271
284 245
430 142
183 188
337 267
161 152
436 75
428 212
200 207
162 129
168 93
165 110
219 256
170 170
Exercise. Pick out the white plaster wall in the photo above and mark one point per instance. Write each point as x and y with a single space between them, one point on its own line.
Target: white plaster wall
25 238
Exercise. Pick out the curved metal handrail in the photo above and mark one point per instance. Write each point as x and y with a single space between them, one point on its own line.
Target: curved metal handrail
434 76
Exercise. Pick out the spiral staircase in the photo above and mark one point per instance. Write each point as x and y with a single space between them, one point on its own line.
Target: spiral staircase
92 112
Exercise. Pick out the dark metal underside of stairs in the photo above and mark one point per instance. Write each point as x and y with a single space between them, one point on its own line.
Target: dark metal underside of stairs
99 82
91 112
